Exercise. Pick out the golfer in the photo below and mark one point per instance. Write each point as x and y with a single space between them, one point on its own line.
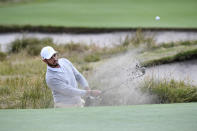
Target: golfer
62 78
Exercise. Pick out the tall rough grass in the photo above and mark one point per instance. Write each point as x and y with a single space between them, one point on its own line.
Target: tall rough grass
140 40
2 56
31 45
37 95
24 92
22 84
170 91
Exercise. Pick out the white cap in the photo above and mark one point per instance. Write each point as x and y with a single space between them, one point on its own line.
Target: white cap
47 52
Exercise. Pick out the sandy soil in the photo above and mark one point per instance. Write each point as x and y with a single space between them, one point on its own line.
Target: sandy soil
103 39
185 71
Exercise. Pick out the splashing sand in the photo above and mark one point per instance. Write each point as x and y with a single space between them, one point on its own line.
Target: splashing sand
115 74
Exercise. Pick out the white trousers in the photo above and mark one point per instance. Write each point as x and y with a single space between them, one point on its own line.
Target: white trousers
62 105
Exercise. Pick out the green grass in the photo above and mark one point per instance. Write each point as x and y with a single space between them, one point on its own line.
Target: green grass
2 56
168 53
101 13
170 91
160 117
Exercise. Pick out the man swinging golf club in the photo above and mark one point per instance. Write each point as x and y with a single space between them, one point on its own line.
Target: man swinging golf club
62 78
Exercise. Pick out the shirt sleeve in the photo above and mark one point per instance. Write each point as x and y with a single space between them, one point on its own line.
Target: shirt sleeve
64 88
79 77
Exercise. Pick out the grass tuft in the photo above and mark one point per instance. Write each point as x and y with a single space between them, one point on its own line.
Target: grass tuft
2 56
76 47
139 40
31 45
4 90
170 91
92 58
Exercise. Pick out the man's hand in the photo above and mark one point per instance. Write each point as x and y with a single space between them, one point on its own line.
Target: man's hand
93 92
87 88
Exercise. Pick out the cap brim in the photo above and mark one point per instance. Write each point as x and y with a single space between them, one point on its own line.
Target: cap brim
49 57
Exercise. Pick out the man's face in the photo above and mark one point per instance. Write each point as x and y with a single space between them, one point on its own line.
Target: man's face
53 61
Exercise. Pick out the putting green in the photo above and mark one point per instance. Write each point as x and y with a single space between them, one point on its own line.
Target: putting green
102 13
157 117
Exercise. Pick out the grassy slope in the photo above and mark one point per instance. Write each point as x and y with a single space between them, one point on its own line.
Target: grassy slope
102 13
162 55
167 117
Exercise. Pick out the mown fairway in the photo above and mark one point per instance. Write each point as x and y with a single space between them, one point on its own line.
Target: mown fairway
166 117
102 13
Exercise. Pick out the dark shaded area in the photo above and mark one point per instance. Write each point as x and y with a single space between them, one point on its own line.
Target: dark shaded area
78 30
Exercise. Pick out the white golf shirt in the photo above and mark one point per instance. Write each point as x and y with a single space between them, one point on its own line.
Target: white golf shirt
63 83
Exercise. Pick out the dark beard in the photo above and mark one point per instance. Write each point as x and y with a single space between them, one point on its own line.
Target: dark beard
53 66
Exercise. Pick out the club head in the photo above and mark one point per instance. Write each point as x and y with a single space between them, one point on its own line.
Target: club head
140 68
143 70
137 66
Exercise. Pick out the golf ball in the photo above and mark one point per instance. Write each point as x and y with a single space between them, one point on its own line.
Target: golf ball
157 18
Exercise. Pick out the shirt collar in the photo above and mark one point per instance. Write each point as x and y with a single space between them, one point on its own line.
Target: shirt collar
54 69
